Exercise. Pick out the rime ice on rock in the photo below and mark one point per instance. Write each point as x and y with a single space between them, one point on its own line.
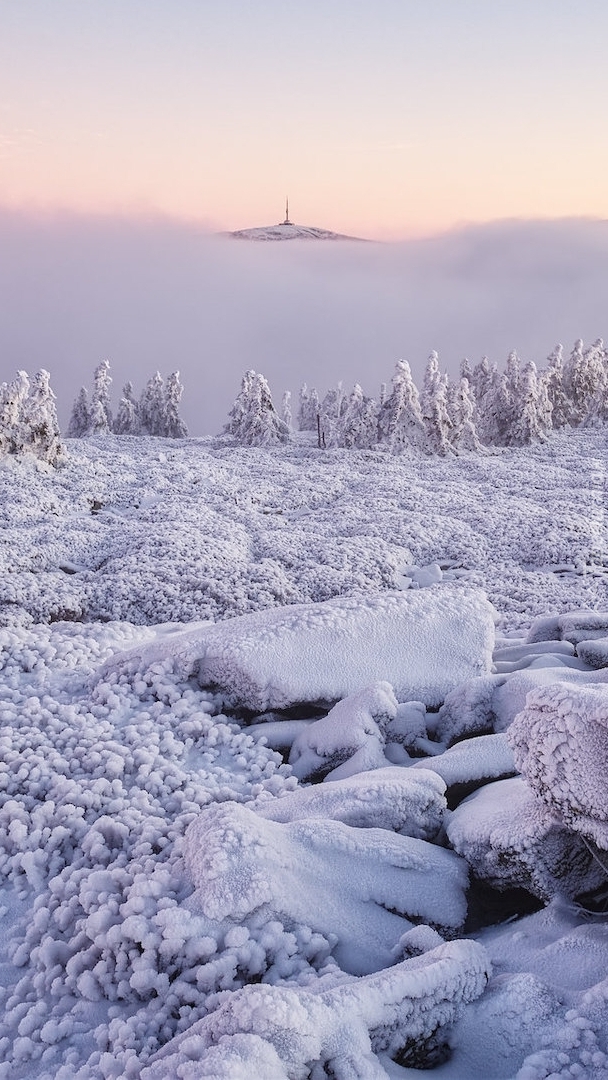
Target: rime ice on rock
361 885
404 801
403 1012
424 643
510 840
560 743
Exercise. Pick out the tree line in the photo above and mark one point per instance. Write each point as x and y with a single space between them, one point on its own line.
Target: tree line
483 407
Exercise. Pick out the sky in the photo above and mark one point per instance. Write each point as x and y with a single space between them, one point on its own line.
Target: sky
389 120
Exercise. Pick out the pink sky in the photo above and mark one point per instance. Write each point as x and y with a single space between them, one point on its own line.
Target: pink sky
386 120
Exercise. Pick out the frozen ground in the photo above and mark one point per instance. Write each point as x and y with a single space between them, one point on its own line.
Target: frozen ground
178 900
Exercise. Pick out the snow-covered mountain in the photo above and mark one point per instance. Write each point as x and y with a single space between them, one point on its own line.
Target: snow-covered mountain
286 230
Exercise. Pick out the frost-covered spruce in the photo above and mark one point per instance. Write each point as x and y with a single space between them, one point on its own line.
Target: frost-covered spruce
553 377
331 411
100 414
308 408
358 426
495 410
434 408
463 433
127 416
174 426
481 378
286 408
253 419
152 406
531 420
596 362
400 422
79 422
13 409
42 425
585 380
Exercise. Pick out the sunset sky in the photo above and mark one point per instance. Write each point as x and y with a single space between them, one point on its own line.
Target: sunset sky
388 119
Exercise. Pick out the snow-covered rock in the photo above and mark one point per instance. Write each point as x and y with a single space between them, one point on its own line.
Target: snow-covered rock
470 764
510 840
349 740
404 1012
401 800
560 743
424 643
361 885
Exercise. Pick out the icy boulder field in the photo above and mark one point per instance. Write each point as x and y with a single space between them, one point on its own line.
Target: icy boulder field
302 763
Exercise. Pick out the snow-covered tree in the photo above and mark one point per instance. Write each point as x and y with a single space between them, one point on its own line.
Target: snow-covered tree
174 427
358 424
253 419
466 371
481 378
495 411
400 422
597 369
434 408
286 408
463 434
152 406
127 416
44 437
585 381
80 419
531 409
100 413
13 410
308 408
553 379
330 413
28 418
513 373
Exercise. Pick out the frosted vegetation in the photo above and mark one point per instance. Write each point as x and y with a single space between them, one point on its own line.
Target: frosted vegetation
303 747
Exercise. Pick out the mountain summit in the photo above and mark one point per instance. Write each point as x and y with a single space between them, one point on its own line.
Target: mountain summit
288 230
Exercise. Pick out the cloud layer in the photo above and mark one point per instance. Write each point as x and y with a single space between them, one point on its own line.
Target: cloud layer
152 294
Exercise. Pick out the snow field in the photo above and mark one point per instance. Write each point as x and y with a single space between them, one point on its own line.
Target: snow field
175 899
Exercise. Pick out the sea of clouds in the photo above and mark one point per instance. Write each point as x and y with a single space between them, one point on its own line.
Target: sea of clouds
151 293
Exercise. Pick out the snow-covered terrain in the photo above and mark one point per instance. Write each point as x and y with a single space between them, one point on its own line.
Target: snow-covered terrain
281 794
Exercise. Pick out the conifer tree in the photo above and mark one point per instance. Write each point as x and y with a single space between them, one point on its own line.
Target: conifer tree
531 411
553 379
434 408
495 411
43 435
152 406
100 413
173 424
400 421
286 408
13 429
463 434
127 416
358 425
253 419
80 419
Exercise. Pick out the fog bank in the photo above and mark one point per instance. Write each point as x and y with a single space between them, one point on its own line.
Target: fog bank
154 294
